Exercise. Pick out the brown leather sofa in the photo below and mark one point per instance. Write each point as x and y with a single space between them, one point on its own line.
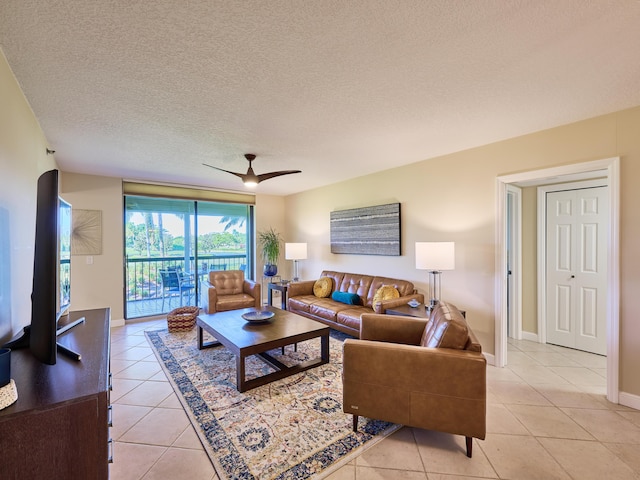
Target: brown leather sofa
421 373
228 290
341 316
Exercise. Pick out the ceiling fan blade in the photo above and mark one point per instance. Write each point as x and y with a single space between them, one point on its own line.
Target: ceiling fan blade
241 175
250 178
267 176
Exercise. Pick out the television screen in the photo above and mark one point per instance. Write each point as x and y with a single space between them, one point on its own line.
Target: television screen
64 256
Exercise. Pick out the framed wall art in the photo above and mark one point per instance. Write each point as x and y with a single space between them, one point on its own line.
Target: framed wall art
367 231
86 232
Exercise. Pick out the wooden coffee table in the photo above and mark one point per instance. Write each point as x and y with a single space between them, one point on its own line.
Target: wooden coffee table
244 339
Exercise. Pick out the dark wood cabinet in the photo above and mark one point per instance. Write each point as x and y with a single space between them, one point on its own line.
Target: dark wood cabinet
59 426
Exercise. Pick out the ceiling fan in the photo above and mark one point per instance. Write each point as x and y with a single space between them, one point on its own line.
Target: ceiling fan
250 179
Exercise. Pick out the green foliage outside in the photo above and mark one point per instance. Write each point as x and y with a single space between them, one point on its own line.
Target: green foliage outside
145 242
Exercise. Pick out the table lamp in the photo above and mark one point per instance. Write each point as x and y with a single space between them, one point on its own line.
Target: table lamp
295 252
435 257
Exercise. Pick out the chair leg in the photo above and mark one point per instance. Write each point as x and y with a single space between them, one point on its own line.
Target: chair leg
469 446
355 423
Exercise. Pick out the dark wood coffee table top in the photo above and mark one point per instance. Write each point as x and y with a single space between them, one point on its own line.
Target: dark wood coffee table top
284 326
244 338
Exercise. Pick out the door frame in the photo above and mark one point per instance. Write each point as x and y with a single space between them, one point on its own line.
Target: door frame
609 168
542 243
514 226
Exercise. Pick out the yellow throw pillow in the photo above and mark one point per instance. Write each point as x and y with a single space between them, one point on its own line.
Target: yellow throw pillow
385 292
322 287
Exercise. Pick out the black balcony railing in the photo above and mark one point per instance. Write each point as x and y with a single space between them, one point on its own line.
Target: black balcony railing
145 294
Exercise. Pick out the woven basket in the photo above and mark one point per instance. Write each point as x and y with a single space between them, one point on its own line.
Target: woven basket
182 319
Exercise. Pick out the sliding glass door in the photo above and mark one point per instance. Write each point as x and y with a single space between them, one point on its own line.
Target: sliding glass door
172 244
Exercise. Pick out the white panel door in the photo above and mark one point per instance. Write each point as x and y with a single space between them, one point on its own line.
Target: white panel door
576 269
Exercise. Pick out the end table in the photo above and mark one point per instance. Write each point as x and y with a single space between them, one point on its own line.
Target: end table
419 311
280 287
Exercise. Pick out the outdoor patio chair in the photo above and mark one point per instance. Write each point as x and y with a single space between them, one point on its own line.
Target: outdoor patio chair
175 282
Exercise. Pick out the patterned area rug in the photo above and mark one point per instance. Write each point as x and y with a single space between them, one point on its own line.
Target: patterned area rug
293 428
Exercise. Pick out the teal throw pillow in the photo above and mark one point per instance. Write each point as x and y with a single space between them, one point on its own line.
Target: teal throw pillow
346 297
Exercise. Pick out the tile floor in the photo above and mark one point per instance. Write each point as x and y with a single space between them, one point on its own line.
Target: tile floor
547 418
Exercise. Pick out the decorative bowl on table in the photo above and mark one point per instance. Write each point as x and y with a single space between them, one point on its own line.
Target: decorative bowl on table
258 316
413 303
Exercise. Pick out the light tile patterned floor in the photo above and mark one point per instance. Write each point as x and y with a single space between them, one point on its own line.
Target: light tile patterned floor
547 418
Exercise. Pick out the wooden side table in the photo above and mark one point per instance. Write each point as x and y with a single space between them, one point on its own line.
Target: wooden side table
407 311
280 287
418 312
269 281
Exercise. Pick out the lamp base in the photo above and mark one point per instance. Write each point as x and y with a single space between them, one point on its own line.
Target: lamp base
434 287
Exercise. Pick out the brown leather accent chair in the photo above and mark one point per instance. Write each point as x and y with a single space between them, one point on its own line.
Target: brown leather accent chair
229 290
424 373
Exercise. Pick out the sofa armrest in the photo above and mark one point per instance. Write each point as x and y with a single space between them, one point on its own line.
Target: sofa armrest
296 289
444 371
208 297
392 328
252 289
382 306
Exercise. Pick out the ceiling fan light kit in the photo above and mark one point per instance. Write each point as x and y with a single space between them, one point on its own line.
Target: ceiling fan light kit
250 179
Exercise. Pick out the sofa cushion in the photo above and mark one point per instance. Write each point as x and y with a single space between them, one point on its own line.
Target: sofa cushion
302 303
447 328
351 316
326 308
346 297
355 283
323 286
386 292
404 288
335 276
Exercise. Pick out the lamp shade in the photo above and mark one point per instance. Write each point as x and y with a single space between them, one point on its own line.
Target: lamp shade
295 251
435 256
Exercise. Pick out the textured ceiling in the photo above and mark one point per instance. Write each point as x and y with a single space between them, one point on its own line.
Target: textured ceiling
337 88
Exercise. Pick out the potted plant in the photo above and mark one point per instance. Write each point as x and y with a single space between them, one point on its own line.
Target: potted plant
269 242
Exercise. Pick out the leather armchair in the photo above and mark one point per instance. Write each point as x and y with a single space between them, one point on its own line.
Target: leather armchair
228 290
421 373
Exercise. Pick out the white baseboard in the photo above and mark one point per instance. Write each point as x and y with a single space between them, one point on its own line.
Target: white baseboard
491 359
629 400
117 323
532 337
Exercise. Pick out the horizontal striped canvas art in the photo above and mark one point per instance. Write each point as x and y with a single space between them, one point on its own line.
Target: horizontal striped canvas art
366 231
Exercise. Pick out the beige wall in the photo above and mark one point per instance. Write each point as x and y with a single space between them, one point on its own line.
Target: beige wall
22 159
453 198
100 283
629 147
446 198
269 213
